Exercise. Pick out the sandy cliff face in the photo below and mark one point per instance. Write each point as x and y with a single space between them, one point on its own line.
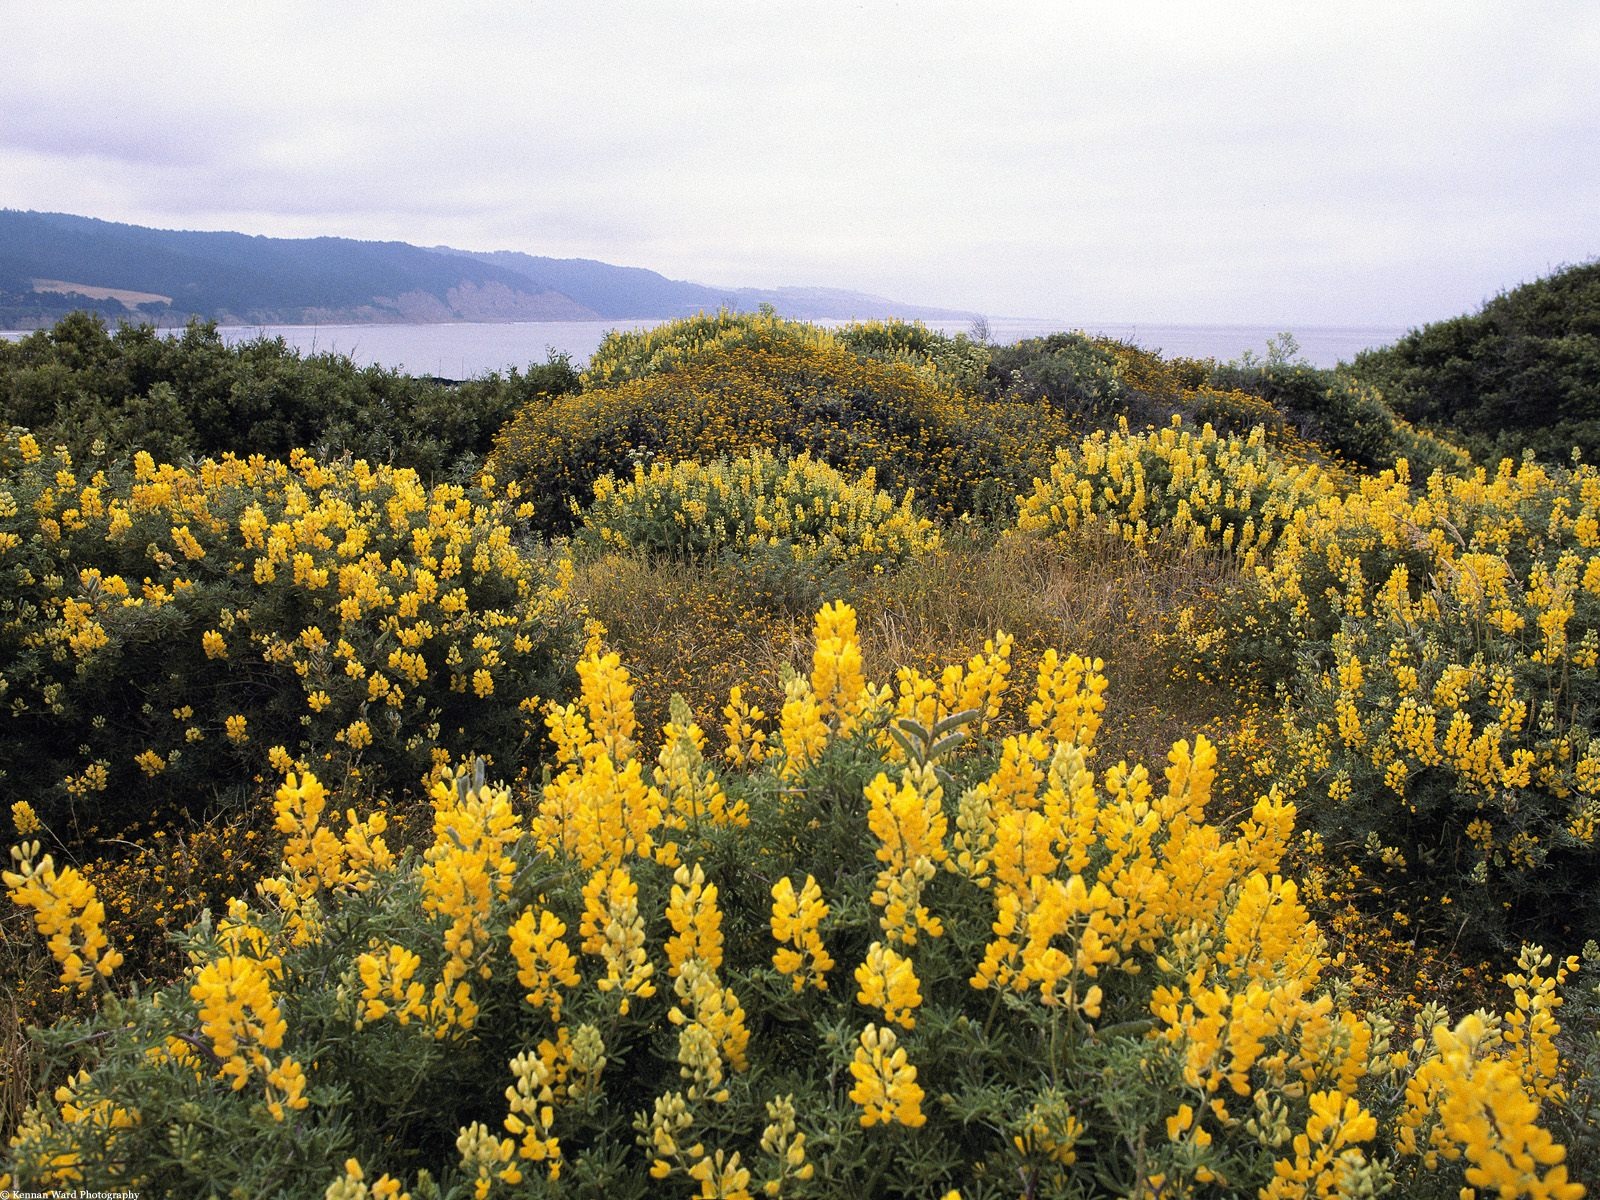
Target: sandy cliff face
464 302
497 302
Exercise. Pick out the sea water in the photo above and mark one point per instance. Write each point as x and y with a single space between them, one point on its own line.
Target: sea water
464 350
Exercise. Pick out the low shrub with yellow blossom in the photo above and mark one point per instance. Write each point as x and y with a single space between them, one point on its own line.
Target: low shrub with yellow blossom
1440 732
890 946
795 522
1173 488
172 631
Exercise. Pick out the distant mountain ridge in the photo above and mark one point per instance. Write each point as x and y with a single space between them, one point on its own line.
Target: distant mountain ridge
52 263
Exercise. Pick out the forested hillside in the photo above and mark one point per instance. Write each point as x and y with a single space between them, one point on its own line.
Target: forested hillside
52 264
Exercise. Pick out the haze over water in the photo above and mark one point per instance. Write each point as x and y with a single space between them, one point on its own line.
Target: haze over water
464 350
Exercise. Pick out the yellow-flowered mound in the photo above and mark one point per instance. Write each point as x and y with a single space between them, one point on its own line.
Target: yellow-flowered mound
170 631
792 517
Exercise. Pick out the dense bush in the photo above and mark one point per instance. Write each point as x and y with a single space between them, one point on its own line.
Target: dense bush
1072 373
626 354
798 525
1523 373
1337 413
958 360
877 961
798 395
137 389
170 633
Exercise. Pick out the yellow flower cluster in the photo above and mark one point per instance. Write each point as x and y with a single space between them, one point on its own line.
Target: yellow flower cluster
804 511
1137 951
613 929
833 702
599 810
1174 488
240 1018
886 1083
796 927
888 981
66 911
391 614
41 1156
1458 630
467 872
909 822
388 986
545 963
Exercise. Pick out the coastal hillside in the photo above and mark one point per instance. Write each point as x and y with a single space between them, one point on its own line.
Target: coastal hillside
54 263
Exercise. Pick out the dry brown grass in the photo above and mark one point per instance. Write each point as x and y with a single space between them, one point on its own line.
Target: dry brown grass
699 629
1098 599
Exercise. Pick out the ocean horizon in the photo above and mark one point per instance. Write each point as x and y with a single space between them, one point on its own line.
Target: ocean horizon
466 350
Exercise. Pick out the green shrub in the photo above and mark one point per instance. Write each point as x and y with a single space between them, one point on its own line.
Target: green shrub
961 362
137 389
1173 488
1523 373
797 395
1439 729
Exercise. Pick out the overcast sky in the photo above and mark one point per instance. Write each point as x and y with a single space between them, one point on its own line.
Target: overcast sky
1259 163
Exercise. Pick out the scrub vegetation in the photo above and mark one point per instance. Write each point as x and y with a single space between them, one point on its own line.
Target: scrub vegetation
797 762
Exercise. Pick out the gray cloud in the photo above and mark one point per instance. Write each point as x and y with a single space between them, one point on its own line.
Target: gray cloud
1344 163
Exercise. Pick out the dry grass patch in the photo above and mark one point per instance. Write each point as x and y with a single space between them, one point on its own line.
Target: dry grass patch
699 629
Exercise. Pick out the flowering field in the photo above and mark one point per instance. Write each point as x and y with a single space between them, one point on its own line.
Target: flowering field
1214 818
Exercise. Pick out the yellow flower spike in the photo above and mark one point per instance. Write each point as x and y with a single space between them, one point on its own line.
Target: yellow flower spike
796 926
613 929
692 794
23 819
889 982
67 913
239 1017
909 822
544 963
802 732
531 1101
747 742
886 1084
388 986
695 919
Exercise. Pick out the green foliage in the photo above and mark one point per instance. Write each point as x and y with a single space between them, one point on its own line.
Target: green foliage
1523 373
1336 412
78 384
1071 373
163 629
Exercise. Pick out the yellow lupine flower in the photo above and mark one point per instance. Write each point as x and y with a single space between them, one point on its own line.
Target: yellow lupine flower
67 913
889 982
796 922
886 1083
